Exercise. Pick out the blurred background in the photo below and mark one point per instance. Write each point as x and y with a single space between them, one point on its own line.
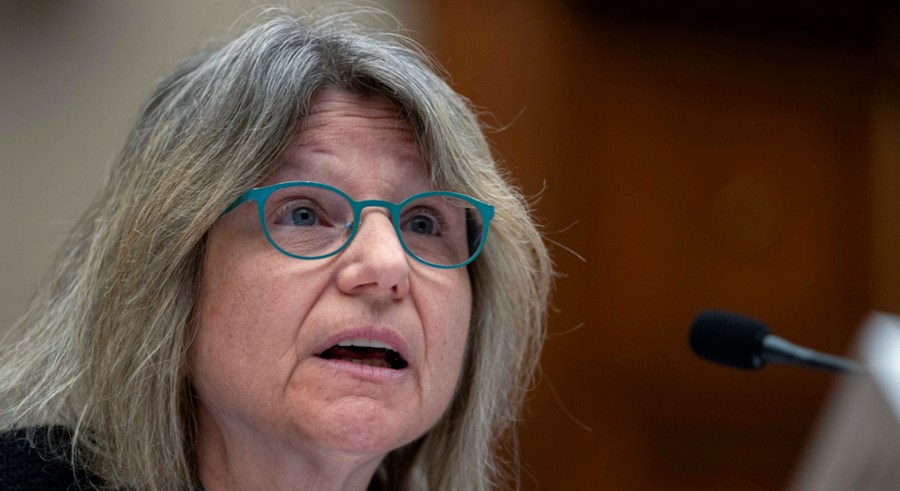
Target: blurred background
682 155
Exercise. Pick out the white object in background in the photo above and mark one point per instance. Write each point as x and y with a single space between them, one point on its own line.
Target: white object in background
856 444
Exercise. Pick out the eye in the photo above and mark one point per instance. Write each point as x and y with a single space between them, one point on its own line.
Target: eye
422 224
422 221
301 213
303 217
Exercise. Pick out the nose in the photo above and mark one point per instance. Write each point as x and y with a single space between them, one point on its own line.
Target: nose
375 263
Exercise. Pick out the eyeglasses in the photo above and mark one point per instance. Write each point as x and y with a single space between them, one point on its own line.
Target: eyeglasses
311 220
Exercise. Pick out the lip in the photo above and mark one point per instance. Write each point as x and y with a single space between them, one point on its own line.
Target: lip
381 335
364 373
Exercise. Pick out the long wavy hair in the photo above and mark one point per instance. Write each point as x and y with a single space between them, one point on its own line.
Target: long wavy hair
102 348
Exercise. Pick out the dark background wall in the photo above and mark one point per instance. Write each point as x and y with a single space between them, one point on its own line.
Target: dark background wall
695 155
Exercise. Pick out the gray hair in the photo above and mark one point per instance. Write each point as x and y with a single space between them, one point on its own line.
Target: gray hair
102 348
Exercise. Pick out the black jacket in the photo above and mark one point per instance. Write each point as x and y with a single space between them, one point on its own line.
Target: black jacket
42 464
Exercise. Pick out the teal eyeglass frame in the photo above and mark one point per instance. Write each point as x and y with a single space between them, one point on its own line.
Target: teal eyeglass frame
261 195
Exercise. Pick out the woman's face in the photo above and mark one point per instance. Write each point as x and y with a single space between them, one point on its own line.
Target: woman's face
265 318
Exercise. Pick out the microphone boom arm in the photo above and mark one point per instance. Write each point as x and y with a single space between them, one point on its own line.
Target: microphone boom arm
778 350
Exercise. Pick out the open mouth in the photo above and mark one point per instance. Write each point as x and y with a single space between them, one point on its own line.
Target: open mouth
365 352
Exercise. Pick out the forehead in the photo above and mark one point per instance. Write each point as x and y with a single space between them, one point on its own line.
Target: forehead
351 139
336 111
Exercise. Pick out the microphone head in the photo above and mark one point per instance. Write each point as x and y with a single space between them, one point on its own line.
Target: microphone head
729 339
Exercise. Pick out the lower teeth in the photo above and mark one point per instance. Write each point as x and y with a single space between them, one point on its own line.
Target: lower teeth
378 358
374 362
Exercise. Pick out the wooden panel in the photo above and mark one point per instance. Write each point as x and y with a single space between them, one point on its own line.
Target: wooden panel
692 168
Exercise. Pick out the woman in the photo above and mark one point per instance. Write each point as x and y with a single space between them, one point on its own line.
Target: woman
304 272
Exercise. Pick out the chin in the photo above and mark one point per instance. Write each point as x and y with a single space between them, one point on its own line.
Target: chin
362 427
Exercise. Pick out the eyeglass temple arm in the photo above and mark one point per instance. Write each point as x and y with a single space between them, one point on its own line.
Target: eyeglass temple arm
238 202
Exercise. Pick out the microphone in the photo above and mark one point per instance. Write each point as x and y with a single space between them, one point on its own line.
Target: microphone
742 342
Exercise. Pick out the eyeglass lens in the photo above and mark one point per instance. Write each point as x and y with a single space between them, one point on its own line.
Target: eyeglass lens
310 222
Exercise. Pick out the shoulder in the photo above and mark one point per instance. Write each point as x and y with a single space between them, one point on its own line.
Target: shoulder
39 459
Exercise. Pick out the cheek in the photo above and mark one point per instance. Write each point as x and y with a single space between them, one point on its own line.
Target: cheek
447 326
244 317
